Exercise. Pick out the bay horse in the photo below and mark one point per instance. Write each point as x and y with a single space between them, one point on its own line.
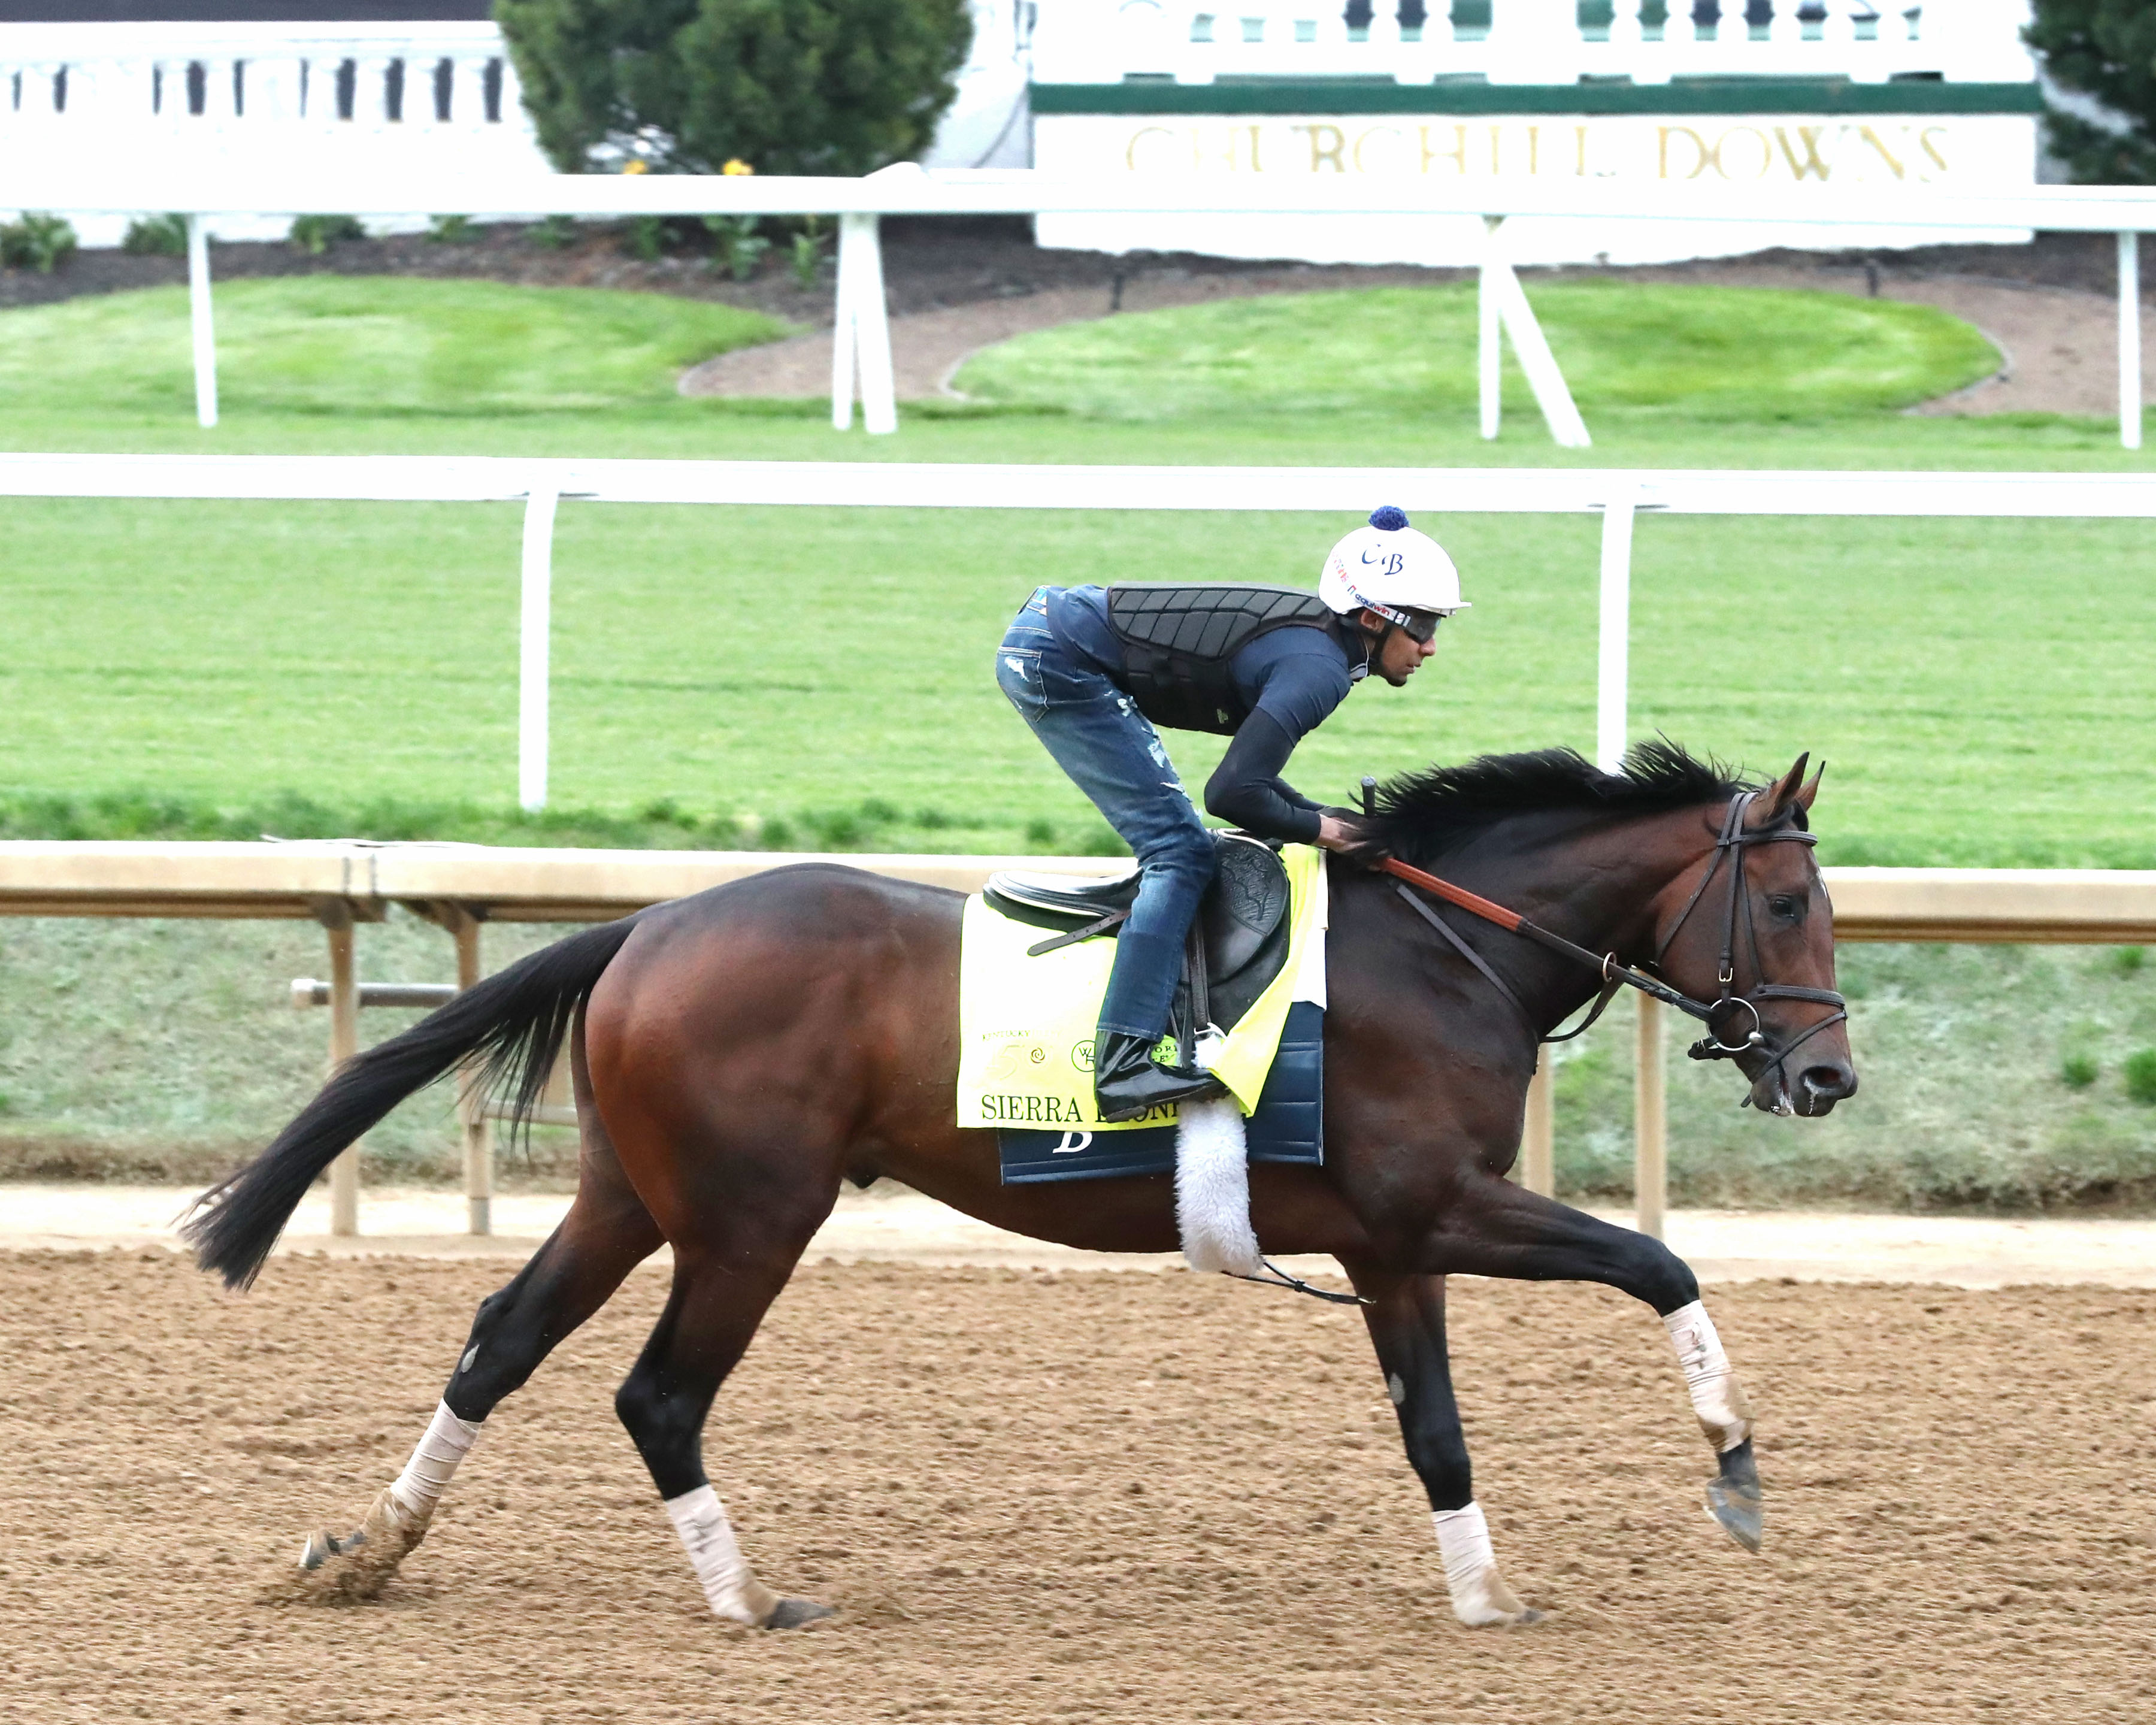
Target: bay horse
738 1055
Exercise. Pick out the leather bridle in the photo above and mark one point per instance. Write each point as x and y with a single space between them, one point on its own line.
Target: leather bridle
1733 842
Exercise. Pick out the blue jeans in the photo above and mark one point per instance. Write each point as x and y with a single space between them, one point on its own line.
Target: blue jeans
1113 754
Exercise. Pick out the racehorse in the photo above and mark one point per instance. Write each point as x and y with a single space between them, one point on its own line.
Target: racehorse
738 1054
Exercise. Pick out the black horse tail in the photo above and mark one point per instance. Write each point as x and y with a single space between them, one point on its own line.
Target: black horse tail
515 1022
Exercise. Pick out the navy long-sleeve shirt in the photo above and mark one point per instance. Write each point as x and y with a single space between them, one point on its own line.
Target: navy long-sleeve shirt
1290 678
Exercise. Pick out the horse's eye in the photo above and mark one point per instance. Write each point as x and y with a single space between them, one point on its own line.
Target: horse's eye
1784 906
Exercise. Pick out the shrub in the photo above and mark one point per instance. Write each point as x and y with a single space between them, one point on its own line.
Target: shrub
2078 1071
555 233
737 247
811 243
789 86
315 234
2106 49
2141 1075
2127 961
41 243
156 237
452 230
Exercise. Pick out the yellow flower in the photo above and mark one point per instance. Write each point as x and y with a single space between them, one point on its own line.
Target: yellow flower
636 164
737 166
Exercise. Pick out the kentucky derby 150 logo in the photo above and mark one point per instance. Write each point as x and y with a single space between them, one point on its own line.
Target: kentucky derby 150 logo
1012 1058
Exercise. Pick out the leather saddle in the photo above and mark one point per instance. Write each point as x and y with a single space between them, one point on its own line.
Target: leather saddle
1238 942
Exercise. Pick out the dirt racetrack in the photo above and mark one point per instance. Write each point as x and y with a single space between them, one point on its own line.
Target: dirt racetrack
1039 1496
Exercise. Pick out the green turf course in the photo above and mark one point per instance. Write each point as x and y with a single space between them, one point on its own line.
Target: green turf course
371 345
1979 689
1707 353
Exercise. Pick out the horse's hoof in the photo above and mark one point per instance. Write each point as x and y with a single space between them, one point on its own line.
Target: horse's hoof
1738 1513
796 1614
342 1569
1734 1499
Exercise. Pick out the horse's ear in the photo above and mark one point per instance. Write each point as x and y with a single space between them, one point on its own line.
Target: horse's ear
1789 793
1810 794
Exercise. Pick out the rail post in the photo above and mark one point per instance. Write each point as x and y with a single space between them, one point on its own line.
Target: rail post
1489 355
344 1043
1614 653
860 333
2129 340
1539 1138
1650 1176
471 1096
204 330
537 620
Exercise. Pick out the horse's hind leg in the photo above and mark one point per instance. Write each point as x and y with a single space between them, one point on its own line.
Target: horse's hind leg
607 1233
1406 1321
724 1281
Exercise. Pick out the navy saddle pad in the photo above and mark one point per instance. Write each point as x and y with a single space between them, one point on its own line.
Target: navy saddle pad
1288 1126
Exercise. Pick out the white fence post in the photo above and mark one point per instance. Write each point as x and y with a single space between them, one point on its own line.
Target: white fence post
198 310
2129 340
1612 659
535 622
1488 356
872 335
860 332
1538 362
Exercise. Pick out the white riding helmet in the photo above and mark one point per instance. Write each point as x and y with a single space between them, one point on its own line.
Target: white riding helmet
1392 569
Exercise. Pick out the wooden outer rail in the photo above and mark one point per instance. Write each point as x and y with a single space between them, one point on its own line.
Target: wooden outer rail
462 887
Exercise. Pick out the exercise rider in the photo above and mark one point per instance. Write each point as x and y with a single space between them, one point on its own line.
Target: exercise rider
1093 669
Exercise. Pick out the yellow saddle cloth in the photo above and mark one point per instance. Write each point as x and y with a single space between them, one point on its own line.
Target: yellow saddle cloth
1025 1024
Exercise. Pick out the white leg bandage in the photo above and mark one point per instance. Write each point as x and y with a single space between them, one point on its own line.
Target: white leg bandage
1480 1597
426 1475
1212 1189
1715 1396
734 1592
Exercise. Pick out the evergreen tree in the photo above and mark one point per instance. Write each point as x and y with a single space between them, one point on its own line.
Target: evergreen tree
787 86
2106 49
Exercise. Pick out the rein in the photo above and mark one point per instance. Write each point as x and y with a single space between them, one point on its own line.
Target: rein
1732 842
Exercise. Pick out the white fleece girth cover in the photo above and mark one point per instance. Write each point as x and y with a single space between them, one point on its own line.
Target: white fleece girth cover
1213 1189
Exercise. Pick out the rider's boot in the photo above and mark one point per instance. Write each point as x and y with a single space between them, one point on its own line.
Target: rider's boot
1128 1081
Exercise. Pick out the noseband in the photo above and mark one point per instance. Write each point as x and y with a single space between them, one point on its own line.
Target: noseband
1733 844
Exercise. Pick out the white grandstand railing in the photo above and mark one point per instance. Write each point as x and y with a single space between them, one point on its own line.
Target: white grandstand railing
1531 41
861 346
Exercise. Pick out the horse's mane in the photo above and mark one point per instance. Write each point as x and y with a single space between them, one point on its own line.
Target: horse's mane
1422 815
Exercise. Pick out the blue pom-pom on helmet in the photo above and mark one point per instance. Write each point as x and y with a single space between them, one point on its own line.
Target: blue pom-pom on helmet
1387 519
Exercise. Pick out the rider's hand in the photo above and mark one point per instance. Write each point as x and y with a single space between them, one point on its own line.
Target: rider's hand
1344 831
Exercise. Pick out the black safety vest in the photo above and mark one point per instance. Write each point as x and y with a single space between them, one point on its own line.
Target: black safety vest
1178 643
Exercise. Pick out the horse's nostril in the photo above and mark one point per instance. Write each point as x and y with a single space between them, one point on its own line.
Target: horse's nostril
1830 1084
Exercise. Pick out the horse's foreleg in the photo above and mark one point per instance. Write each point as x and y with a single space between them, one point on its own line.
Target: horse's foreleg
1504 1230
1406 1320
